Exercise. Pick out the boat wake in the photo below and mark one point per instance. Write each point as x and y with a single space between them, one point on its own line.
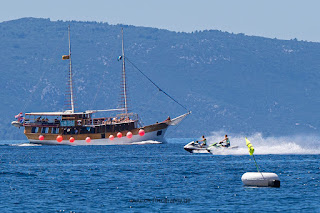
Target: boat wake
146 142
26 144
298 144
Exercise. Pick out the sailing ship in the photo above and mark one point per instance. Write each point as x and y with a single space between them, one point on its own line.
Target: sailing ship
81 128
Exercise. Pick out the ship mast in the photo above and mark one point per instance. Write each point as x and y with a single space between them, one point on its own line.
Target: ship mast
70 74
124 78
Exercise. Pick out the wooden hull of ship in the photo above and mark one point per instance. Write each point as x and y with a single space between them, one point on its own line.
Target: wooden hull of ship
153 134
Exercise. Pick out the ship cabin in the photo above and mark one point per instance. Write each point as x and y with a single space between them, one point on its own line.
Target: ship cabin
68 123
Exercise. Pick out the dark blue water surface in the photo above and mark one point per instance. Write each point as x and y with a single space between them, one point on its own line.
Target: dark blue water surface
150 178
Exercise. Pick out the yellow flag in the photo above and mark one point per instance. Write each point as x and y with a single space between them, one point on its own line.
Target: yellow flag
250 147
65 57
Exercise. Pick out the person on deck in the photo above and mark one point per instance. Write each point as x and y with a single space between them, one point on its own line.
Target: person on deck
168 119
204 141
226 140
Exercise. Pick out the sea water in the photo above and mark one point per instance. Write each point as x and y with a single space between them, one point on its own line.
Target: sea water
158 177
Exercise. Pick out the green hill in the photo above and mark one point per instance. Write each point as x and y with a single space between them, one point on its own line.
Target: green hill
231 82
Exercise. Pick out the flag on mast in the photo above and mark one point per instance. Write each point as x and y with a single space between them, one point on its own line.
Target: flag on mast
19 115
65 57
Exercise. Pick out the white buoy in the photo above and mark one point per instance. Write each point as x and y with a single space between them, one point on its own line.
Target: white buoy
264 179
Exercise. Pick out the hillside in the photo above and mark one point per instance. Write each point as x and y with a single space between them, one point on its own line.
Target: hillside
231 82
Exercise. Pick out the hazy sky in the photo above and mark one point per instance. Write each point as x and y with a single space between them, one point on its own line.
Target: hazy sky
283 19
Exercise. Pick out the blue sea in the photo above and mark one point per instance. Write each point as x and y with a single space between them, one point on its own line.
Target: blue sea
155 178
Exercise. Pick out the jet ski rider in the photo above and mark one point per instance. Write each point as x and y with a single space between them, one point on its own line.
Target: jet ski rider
226 140
204 143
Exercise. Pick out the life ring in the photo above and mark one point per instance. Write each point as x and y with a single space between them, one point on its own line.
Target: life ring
79 122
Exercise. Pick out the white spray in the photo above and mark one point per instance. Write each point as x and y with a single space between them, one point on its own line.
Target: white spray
296 144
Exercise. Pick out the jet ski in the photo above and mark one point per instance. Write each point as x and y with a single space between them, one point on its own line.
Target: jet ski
195 147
